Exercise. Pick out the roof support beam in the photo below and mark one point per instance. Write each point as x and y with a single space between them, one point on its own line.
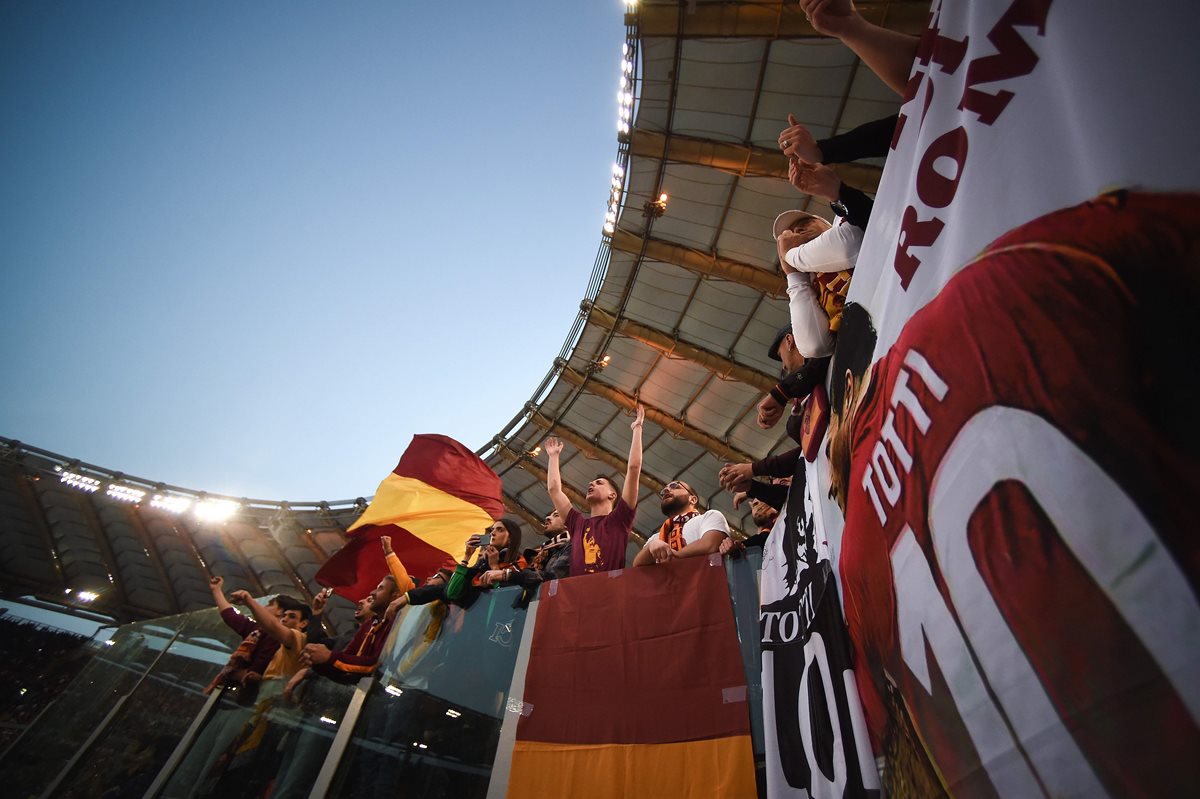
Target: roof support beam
719 365
771 20
702 263
676 427
738 159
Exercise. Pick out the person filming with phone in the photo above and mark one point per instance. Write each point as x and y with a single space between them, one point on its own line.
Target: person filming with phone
499 559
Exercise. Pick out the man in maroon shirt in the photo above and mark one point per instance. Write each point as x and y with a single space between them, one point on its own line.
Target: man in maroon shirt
598 540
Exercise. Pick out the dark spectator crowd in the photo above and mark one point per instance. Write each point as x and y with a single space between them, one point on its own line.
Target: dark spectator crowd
38 663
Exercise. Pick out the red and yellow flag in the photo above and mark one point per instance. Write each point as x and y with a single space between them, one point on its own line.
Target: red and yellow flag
635 687
439 494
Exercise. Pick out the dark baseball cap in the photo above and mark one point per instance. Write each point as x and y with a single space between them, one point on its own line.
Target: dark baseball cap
773 350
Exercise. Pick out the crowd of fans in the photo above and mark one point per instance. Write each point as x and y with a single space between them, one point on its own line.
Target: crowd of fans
283 656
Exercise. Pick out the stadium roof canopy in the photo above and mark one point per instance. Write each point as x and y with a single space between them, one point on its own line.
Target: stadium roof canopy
682 307
678 315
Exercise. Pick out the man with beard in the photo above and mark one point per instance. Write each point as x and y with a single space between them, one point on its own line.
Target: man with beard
550 561
686 532
362 653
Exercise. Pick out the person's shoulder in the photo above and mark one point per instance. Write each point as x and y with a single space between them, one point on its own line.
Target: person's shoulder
622 510
714 519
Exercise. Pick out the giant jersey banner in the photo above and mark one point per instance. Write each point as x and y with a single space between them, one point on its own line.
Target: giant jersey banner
1014 445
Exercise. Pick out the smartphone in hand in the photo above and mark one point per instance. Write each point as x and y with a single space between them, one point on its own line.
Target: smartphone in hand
485 540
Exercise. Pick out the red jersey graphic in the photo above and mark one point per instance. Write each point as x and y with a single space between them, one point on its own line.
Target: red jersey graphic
1019 555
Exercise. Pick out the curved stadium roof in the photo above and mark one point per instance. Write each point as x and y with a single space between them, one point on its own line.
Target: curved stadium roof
683 307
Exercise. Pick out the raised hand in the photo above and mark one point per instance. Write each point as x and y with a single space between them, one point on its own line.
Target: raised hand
472 545
830 17
217 583
797 143
734 476
815 179
320 600
241 597
554 447
639 418
738 498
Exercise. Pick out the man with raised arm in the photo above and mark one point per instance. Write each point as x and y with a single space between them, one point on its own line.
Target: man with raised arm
359 656
686 532
598 540
288 628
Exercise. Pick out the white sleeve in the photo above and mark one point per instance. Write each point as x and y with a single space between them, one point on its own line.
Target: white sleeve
714 520
834 250
706 522
810 324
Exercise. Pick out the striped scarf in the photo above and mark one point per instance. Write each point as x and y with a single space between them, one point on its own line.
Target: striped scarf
672 529
831 294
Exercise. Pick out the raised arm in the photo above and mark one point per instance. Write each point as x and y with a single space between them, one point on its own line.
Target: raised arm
633 473
554 486
889 54
404 580
267 620
217 586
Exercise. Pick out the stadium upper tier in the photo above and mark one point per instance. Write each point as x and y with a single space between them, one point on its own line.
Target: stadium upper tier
685 298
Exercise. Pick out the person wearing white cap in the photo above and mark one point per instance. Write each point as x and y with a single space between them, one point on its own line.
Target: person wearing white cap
817 258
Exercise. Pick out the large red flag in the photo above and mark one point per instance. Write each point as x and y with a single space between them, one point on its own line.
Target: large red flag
635 687
439 494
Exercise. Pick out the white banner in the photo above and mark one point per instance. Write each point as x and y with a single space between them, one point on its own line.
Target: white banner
1014 444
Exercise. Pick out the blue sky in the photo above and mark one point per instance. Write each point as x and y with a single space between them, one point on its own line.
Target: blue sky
252 248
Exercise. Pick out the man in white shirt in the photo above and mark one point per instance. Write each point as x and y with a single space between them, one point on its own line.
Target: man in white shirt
686 532
816 257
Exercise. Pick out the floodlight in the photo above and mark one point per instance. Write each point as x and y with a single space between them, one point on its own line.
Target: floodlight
215 510
80 481
170 503
125 493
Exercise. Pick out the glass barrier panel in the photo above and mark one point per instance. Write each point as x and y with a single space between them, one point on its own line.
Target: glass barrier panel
41 754
743 574
256 741
432 720
129 753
